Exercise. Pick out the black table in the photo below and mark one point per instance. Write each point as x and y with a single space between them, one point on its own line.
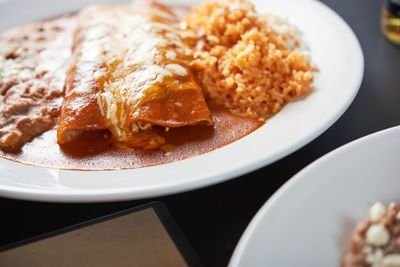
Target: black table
214 218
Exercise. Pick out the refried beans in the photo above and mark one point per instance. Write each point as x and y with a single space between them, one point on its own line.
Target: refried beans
376 241
32 74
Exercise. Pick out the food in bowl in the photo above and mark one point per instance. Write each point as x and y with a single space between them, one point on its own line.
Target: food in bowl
376 241
133 85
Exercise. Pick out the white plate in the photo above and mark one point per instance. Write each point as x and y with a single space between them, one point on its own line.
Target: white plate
334 49
309 220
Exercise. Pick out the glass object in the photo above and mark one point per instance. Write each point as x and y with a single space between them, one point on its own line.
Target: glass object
390 22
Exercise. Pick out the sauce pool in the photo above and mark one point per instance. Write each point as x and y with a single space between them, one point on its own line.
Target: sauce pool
95 151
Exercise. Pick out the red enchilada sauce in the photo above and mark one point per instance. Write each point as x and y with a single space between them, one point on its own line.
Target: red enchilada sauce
94 150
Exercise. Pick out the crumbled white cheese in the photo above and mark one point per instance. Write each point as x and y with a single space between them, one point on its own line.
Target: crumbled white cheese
375 258
377 235
391 260
376 212
367 249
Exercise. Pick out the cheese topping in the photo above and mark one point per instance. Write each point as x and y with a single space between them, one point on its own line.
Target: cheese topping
391 260
133 51
376 212
10 68
176 69
377 235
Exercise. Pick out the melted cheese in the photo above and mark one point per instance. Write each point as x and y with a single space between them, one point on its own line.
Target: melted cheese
176 69
135 50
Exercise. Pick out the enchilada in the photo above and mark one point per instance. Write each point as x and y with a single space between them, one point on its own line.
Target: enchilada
130 73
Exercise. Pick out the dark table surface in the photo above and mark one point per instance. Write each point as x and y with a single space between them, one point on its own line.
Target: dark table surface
214 218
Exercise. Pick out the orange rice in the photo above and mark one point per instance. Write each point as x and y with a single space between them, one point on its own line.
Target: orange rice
242 63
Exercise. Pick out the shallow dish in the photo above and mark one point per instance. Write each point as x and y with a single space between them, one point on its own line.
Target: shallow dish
308 222
336 83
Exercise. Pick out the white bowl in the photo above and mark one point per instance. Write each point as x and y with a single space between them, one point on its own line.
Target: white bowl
309 220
